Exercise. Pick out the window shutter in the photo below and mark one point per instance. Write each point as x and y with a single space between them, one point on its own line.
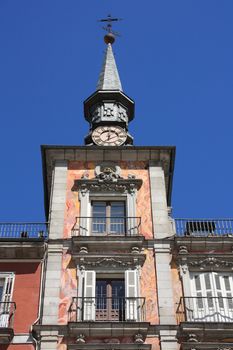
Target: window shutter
5 308
89 296
131 293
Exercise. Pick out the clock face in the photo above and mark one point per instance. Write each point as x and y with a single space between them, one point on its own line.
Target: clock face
109 136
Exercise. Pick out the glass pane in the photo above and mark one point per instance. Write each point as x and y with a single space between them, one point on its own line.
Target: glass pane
230 301
220 300
217 281
197 282
118 294
207 281
200 301
210 300
101 294
117 224
227 282
117 209
99 217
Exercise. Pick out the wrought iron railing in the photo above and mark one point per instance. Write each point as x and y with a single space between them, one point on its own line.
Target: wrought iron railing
7 312
205 309
204 227
114 309
101 226
23 230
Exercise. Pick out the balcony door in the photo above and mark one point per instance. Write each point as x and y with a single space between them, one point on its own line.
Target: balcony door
108 218
213 297
110 300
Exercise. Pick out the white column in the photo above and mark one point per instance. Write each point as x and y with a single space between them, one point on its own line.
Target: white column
52 284
58 200
161 223
164 284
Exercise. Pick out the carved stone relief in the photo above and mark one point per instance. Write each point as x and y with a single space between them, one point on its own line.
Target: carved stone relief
108 111
107 179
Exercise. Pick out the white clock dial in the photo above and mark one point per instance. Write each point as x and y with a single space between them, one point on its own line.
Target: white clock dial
109 136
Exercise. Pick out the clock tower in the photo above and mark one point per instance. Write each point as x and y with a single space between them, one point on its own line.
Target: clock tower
109 110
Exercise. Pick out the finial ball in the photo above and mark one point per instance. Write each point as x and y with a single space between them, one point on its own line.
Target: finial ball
109 38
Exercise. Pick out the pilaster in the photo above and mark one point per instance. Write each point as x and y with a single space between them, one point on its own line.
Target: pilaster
58 199
161 224
164 284
52 285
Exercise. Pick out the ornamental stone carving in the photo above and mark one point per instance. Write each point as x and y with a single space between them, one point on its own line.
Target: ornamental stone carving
211 263
110 262
107 179
108 111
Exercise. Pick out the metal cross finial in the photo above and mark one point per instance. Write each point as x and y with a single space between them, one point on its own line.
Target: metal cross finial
109 21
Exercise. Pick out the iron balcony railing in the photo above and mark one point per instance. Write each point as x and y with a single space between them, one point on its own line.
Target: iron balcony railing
101 226
7 312
102 309
23 230
205 309
204 227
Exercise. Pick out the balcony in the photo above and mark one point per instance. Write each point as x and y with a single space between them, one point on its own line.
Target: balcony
105 316
7 311
205 309
107 226
23 230
204 227
22 240
102 309
204 319
113 233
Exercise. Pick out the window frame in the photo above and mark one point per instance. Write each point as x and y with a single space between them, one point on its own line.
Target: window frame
108 217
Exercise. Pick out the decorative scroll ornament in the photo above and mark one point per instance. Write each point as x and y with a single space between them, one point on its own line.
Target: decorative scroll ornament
138 339
212 262
117 262
107 179
80 339
109 262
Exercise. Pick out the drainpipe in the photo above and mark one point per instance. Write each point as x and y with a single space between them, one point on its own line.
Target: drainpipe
41 295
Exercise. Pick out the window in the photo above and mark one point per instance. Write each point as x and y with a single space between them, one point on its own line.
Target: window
212 296
108 217
6 290
111 299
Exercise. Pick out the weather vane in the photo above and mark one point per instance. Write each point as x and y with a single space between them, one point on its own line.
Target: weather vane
110 37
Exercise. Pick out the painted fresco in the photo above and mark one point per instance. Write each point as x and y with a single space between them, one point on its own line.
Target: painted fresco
176 285
147 285
75 172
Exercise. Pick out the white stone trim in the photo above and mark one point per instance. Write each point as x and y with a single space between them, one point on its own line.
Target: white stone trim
161 223
164 284
58 200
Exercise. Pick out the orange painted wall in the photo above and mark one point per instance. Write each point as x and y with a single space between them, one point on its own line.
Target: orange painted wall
25 294
147 286
139 169
176 284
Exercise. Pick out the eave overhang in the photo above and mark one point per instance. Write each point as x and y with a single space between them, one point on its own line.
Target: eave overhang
108 95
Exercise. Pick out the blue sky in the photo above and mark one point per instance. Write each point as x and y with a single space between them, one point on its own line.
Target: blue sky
175 59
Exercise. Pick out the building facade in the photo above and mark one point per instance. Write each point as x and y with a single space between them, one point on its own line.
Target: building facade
115 270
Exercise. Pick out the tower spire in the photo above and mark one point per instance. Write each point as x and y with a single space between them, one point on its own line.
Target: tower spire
109 77
109 110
